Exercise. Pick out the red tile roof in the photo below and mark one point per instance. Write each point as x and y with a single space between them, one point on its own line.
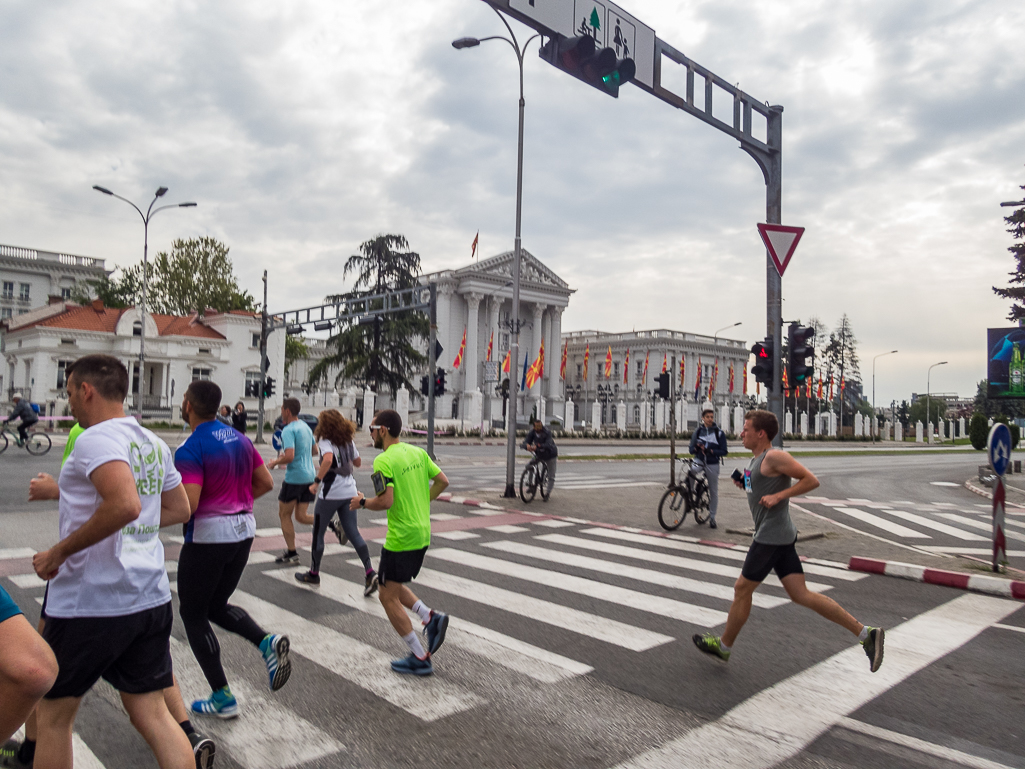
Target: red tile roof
85 318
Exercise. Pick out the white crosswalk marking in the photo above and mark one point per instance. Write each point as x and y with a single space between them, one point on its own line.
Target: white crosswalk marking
27 581
83 757
540 664
455 535
16 552
929 523
254 740
982 525
554 524
882 523
560 484
666 607
724 592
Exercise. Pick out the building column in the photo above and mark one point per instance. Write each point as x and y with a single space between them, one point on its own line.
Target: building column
470 356
555 342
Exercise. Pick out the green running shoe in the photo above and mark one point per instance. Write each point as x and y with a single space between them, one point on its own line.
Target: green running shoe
712 644
873 646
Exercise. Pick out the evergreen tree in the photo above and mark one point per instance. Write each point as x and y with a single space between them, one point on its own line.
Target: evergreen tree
1016 292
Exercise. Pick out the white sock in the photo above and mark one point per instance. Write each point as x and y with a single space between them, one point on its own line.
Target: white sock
863 635
423 610
723 646
413 642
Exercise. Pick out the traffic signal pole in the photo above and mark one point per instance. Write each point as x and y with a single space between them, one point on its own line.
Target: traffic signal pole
772 168
263 359
431 365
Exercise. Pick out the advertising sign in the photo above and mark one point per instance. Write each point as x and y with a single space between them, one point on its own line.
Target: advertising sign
1005 362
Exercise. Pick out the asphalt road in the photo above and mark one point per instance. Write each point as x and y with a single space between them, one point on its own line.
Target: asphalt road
570 642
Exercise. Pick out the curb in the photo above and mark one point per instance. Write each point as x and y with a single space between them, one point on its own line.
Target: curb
975 582
987 494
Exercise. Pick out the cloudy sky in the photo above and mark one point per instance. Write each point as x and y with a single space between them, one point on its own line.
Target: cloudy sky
304 128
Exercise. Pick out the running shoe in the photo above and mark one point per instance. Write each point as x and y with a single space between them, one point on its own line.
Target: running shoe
307 578
336 526
288 556
711 644
873 646
275 654
371 585
9 755
220 703
203 748
713 525
412 665
435 630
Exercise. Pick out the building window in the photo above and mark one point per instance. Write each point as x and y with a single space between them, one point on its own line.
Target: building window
253 384
256 341
640 368
5 313
137 328
580 369
62 378
201 374
505 341
8 289
67 341
637 414
66 293
615 370
204 350
25 289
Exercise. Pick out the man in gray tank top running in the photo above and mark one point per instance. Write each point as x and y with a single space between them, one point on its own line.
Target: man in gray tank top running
767 482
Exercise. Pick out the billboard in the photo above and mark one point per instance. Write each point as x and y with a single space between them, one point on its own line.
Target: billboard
1005 362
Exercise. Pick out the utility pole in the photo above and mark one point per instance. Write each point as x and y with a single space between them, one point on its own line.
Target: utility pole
431 368
672 423
263 361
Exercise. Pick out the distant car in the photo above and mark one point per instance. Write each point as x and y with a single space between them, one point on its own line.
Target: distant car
307 418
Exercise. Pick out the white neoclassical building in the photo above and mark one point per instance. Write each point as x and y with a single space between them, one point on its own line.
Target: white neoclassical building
477 299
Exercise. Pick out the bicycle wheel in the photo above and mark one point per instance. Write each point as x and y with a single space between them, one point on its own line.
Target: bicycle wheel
528 484
38 444
671 508
3 441
700 506
542 481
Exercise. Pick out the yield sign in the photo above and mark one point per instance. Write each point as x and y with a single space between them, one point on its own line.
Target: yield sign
781 241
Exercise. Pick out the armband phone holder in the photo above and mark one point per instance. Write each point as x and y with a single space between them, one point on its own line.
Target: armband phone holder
379 484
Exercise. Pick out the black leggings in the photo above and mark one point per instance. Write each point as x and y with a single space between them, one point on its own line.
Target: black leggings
321 515
207 576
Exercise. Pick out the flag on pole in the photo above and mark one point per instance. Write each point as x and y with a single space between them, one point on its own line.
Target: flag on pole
697 381
683 370
537 368
491 345
626 365
807 388
462 348
818 394
731 379
665 363
843 384
830 387
473 246
714 379
505 363
565 356
587 358
608 363
745 379
758 388
644 376
523 381
786 383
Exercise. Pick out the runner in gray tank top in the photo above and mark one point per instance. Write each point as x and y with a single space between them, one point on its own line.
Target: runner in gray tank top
767 482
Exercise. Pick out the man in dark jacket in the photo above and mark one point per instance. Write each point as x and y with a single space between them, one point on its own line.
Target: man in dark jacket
541 442
708 445
23 409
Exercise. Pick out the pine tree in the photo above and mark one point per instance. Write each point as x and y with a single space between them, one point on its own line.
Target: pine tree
1016 292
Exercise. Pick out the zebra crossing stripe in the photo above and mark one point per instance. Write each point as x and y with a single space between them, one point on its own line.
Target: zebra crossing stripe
535 662
981 525
26 581
606 485
255 739
653 604
711 589
882 523
929 523
779 722
82 756
608 630
7 553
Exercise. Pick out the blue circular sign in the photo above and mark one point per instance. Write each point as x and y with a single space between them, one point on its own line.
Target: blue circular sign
999 445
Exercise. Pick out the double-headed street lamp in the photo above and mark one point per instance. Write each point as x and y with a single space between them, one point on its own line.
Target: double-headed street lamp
880 355
927 391
150 213
510 426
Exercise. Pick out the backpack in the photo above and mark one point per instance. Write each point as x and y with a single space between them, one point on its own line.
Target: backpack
343 468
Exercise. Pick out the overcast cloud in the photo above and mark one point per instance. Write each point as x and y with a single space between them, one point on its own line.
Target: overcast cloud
304 128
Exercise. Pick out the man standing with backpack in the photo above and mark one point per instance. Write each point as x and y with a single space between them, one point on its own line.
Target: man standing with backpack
708 445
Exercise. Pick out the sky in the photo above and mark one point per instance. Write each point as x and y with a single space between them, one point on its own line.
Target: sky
304 128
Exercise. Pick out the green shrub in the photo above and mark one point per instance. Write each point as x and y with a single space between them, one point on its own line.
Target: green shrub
978 431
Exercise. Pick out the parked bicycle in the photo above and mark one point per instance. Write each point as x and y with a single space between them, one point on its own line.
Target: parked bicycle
688 495
534 479
37 443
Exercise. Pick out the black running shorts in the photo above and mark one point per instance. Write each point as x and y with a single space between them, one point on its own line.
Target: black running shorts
399 566
295 492
761 559
132 653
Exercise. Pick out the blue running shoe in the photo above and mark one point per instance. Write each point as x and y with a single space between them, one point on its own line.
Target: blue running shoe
220 703
411 665
275 654
435 631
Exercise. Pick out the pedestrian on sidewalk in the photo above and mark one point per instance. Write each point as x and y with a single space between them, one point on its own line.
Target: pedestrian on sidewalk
223 474
767 481
240 417
335 487
708 446
406 481
297 453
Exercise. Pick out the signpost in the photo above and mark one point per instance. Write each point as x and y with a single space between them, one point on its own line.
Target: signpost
781 242
999 446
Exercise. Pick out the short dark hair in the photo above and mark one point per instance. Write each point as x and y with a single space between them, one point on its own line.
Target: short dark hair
763 420
204 397
390 419
707 411
104 372
293 405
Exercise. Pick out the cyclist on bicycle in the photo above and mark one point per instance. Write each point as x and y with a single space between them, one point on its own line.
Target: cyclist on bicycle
542 444
708 445
22 409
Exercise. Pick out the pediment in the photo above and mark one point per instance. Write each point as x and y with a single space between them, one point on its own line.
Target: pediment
532 270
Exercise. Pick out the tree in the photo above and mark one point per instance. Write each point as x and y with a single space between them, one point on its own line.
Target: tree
385 351
196 275
992 407
840 356
978 431
295 348
119 291
1016 293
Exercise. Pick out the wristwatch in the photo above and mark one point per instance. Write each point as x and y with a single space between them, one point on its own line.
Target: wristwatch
363 502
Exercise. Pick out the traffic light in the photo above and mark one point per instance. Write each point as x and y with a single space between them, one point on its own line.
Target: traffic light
425 382
663 385
268 387
439 382
799 349
765 361
580 57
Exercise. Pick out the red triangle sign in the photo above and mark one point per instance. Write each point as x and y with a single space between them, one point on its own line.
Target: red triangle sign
781 242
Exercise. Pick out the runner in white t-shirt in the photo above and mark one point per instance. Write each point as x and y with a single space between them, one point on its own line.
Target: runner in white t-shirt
108 604
334 486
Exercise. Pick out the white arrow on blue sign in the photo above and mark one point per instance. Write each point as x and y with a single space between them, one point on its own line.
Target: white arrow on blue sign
999 445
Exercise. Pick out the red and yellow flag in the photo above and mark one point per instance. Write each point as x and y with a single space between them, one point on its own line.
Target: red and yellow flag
505 363
830 387
565 356
697 381
807 388
665 363
745 379
683 370
786 383
843 384
818 393
537 368
473 246
626 365
714 379
608 363
462 349
731 379
644 376
587 359
491 346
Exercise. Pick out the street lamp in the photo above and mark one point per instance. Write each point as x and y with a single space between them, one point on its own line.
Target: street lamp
510 459
880 355
927 391
150 213
1013 204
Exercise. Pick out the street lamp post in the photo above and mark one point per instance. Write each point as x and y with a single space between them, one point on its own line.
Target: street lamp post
928 416
880 355
510 460
150 213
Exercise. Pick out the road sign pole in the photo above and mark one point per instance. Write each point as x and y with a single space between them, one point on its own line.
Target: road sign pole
999 449
431 368
773 280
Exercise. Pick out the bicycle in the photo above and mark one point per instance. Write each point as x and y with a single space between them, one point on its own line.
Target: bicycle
535 475
689 495
37 443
